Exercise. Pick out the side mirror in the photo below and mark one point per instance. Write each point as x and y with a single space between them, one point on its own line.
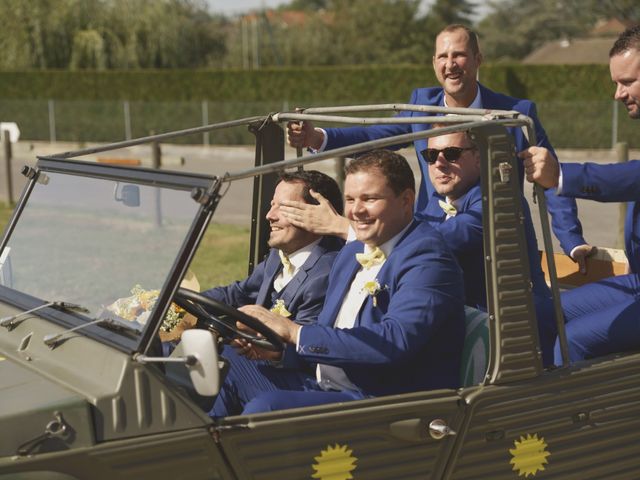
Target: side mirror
204 372
129 195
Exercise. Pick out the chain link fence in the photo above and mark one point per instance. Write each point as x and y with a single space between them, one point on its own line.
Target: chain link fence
576 125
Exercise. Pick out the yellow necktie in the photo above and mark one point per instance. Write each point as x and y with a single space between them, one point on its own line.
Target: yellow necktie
374 257
287 266
448 208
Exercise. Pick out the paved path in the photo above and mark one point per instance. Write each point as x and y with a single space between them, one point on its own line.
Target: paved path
600 221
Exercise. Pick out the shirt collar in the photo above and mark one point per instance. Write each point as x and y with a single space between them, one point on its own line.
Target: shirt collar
456 203
387 246
298 257
477 102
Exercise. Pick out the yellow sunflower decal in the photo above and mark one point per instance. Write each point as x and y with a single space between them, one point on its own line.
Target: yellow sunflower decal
334 463
529 455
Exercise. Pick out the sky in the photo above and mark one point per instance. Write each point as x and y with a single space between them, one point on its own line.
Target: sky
231 7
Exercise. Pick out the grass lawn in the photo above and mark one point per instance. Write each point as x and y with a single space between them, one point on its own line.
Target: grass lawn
221 258
223 255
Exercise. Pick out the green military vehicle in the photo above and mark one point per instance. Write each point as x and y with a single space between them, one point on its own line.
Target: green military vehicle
94 257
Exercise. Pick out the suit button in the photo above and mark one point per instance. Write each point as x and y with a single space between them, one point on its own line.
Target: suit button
318 350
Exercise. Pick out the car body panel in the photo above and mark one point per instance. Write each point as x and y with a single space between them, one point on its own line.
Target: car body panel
381 438
137 420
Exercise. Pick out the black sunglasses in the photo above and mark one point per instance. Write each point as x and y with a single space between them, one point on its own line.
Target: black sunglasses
451 154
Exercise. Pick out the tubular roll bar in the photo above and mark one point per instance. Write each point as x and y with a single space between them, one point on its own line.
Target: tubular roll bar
461 119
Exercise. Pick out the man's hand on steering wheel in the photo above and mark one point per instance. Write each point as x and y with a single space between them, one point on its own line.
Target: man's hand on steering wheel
225 319
282 326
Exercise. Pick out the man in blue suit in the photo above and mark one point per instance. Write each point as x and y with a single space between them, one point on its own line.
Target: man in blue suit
603 317
393 318
455 209
293 278
456 61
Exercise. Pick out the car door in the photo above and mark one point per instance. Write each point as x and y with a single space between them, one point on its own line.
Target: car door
374 439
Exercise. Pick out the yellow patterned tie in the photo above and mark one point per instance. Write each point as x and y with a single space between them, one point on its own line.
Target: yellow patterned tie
448 208
374 257
287 266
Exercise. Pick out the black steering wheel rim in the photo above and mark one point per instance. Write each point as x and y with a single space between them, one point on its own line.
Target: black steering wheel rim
200 305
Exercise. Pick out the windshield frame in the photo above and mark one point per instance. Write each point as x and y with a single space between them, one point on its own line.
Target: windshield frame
207 187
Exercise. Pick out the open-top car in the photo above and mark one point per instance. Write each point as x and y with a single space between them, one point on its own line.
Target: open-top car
94 270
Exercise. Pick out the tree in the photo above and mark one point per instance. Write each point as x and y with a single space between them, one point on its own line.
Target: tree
312 5
514 28
88 51
621 9
375 31
110 34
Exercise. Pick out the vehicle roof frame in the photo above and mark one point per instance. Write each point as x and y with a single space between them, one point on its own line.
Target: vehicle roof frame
461 120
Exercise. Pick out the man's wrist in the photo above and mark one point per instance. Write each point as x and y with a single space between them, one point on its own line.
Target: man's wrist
293 333
341 227
321 140
559 187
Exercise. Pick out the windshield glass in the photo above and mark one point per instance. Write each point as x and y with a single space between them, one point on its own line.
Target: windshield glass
106 245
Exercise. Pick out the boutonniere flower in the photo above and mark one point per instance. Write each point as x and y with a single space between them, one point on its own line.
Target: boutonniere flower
280 308
373 288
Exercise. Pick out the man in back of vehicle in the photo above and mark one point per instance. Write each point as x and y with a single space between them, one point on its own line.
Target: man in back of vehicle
456 61
603 317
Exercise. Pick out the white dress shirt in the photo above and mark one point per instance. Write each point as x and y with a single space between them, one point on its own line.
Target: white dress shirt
297 259
334 378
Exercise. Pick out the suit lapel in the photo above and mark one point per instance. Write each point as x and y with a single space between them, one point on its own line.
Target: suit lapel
272 268
288 293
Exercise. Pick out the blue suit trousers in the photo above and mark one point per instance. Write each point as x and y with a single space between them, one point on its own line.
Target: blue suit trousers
602 318
257 386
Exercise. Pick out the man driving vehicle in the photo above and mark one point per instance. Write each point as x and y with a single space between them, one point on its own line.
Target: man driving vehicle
292 280
393 318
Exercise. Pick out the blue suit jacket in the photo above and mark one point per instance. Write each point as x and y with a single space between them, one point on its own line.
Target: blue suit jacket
616 182
463 234
412 339
303 296
566 225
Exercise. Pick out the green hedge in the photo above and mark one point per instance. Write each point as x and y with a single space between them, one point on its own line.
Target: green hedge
362 84
574 102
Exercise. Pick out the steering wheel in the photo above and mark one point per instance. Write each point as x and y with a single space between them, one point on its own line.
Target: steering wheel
222 318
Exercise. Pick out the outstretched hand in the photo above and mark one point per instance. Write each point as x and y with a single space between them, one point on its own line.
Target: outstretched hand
321 219
580 255
304 135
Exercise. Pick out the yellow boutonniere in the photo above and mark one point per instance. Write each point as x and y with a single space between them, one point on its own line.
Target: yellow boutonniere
372 287
280 309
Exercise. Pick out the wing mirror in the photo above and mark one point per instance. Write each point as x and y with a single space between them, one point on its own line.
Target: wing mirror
204 372
129 195
198 352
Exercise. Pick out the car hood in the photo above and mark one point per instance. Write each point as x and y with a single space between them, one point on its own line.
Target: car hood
29 403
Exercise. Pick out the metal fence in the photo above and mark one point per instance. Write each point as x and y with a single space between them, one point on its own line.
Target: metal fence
592 124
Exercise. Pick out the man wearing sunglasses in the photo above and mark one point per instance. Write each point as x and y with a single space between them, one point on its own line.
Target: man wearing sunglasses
455 209
456 61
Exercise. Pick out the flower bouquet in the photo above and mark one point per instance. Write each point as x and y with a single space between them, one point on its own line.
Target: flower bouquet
138 306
